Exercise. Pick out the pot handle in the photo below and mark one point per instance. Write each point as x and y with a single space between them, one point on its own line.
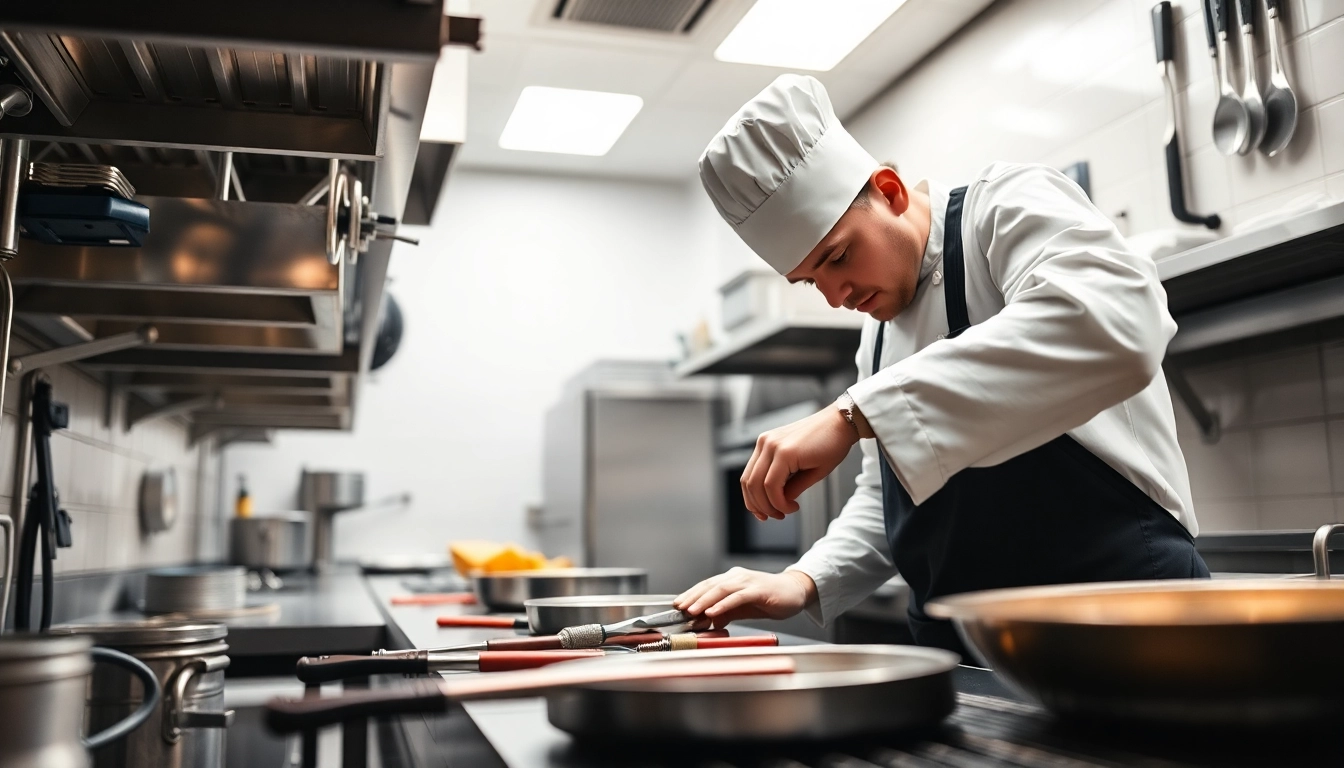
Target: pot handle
176 717
137 718
1320 548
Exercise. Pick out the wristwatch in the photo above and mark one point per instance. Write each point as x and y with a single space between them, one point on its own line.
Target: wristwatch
846 405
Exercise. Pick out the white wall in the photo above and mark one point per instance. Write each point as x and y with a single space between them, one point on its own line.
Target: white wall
522 281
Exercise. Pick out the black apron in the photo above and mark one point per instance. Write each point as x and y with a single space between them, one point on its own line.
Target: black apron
1053 515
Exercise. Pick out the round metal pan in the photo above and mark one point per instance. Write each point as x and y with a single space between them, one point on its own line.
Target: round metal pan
830 692
1236 652
838 692
549 615
509 590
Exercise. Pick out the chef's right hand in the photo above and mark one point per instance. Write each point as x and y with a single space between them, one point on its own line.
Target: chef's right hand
745 594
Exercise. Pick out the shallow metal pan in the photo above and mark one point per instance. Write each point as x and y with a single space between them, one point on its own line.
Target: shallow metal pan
509 590
834 692
1236 652
549 615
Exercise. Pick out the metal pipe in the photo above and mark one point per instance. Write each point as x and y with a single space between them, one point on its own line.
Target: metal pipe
223 172
318 192
146 335
23 450
237 186
12 167
6 322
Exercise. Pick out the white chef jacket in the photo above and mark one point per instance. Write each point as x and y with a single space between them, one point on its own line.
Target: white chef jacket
1069 328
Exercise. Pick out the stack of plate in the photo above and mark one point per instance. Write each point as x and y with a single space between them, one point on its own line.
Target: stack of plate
192 590
69 175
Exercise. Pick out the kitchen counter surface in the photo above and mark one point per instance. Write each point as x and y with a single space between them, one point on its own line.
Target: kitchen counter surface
990 727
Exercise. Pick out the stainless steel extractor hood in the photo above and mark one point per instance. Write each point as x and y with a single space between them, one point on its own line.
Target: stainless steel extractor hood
226 120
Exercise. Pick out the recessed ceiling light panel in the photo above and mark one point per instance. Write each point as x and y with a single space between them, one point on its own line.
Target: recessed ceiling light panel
567 121
803 34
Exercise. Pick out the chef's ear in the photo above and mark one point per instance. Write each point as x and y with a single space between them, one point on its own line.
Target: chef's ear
889 183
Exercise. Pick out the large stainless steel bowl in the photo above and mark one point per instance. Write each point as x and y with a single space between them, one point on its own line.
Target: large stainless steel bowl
1245 652
509 590
549 615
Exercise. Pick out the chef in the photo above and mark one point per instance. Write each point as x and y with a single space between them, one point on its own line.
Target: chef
1014 426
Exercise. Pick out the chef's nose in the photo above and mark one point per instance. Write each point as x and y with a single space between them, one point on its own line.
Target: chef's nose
835 293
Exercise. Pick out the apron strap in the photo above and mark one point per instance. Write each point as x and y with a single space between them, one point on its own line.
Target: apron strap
954 276
954 268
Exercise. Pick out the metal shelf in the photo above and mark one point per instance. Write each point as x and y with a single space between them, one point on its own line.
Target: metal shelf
816 346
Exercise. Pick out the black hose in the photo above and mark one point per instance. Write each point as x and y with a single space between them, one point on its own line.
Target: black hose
137 718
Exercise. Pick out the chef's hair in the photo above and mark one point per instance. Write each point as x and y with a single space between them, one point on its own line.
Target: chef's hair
861 200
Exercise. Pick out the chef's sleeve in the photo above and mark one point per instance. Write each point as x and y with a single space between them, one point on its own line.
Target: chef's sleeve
1084 327
853 558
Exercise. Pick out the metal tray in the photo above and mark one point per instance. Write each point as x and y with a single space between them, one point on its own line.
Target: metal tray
509 590
549 615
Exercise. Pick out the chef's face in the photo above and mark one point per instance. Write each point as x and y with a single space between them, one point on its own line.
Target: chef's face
870 259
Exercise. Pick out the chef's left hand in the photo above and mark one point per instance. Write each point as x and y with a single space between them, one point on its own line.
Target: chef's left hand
792 458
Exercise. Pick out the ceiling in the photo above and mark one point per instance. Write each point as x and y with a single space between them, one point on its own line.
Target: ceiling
688 95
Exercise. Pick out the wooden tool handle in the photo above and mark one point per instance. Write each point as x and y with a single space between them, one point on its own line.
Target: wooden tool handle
741 641
508 661
325 669
444 598
487 622
533 681
290 715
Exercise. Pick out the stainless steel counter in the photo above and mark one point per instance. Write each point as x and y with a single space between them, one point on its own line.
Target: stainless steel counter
990 727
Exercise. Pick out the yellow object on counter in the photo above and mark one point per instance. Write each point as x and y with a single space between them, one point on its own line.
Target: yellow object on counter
242 507
493 557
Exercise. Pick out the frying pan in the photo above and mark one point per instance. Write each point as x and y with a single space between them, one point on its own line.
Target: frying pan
1255 652
509 590
549 615
745 694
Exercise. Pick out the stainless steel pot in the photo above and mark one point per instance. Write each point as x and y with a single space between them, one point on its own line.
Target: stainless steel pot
43 683
186 729
509 590
278 542
189 589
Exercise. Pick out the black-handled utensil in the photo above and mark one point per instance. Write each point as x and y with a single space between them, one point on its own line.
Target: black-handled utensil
1164 41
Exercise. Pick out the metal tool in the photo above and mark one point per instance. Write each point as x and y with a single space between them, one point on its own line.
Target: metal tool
833 692
593 635
1231 120
1164 40
1250 92
544 643
1280 102
106 178
549 615
509 591
689 641
326 669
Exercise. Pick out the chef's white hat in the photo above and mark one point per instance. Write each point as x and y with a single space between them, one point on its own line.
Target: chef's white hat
783 170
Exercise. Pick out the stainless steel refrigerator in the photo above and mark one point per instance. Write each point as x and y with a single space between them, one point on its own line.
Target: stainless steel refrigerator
629 474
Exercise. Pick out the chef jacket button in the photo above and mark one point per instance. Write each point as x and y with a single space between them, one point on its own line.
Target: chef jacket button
937 278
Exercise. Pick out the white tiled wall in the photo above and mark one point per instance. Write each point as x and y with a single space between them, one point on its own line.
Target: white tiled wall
1058 81
1280 461
98 471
